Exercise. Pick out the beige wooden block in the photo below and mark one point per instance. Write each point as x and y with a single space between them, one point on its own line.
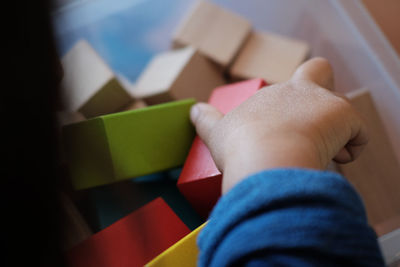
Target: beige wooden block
269 56
376 173
387 226
67 117
89 85
135 104
216 32
75 228
178 74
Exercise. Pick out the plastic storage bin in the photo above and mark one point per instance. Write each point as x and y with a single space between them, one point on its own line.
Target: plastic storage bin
128 33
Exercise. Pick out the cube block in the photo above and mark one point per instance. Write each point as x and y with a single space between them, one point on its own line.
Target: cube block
269 56
376 172
128 144
200 180
89 85
178 74
132 241
216 32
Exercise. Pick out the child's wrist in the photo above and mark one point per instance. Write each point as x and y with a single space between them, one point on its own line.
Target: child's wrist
270 154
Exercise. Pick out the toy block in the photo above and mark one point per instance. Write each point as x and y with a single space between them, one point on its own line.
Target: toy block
178 74
135 104
130 87
216 32
75 228
114 201
183 253
125 82
89 85
128 144
387 226
376 173
200 179
132 241
268 56
66 117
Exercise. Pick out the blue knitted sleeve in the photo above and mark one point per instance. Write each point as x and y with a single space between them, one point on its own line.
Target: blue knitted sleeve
289 217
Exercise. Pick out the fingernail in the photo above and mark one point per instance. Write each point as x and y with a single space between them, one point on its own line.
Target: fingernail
194 112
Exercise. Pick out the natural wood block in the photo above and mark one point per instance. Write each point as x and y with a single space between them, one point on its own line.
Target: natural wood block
178 74
130 87
376 173
75 228
67 117
133 240
135 104
216 32
387 226
89 85
183 253
199 173
128 144
269 56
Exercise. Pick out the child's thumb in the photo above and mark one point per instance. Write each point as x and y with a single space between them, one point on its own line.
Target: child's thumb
317 70
204 117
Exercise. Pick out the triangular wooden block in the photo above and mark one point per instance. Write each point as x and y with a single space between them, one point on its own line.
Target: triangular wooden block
89 85
178 74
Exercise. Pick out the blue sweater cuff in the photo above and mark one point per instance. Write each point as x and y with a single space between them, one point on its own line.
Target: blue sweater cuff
288 210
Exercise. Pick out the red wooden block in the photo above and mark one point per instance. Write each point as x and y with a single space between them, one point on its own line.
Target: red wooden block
200 180
132 241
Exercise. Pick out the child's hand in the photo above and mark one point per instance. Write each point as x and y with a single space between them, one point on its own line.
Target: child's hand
299 123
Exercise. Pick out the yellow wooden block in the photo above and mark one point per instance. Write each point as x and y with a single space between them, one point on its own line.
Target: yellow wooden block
182 253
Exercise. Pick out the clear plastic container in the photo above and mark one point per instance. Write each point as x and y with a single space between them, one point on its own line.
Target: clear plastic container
127 34
344 33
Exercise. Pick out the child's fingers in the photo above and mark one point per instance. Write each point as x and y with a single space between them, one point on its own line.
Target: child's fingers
204 117
356 144
317 70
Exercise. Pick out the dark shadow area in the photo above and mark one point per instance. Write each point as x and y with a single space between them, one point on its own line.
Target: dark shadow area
29 171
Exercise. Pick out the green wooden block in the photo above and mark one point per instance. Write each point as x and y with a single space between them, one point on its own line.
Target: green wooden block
128 144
